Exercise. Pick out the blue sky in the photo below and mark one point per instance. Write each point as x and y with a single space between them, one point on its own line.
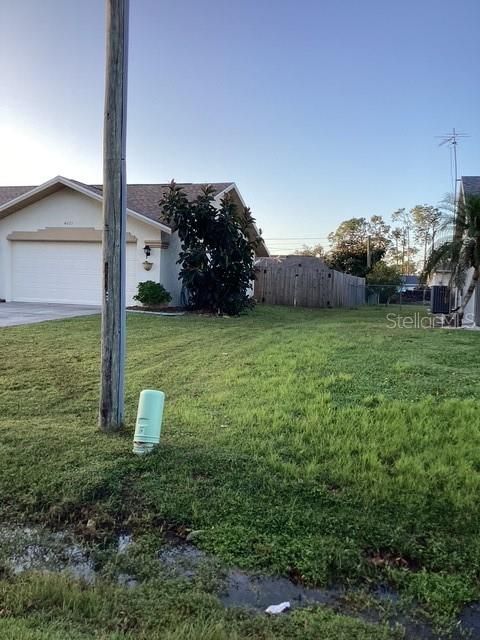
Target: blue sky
319 110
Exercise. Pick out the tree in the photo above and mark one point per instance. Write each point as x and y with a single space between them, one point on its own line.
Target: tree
384 280
316 251
401 256
217 257
398 239
404 233
406 223
462 252
348 251
427 220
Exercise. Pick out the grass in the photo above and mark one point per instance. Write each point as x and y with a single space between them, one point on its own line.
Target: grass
57 609
321 444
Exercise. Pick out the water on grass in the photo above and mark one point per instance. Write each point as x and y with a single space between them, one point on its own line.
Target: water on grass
241 589
183 560
34 549
258 592
30 549
124 542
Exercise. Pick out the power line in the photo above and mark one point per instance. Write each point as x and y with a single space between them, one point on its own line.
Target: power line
298 238
287 241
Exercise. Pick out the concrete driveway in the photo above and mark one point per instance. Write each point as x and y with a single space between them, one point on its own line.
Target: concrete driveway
14 313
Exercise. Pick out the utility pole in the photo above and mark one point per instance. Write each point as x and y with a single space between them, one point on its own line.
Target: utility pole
114 217
369 253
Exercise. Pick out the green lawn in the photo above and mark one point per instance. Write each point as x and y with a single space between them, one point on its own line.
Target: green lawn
314 443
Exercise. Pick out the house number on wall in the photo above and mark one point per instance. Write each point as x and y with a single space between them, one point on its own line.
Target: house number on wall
68 223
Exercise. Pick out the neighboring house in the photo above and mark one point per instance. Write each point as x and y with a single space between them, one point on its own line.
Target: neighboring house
50 240
468 186
410 282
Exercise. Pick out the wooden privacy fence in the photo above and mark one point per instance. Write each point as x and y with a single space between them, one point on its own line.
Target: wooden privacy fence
302 281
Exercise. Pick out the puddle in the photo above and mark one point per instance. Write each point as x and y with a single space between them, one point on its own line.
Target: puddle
470 619
241 589
29 549
183 560
258 592
126 580
124 542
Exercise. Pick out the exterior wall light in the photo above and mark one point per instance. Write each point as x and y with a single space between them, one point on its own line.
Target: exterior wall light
147 265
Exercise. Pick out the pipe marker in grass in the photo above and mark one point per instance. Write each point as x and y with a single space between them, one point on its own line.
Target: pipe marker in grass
149 421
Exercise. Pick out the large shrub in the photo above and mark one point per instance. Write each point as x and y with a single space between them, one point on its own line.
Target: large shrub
152 293
217 258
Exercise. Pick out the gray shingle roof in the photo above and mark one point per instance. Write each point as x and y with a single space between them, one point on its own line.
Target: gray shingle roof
142 198
9 193
471 185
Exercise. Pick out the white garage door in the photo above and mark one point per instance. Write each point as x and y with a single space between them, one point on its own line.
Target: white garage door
64 272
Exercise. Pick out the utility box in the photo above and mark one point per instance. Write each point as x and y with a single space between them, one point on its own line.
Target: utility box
149 421
440 299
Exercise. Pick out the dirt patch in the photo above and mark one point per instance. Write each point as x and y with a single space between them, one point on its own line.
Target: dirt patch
385 558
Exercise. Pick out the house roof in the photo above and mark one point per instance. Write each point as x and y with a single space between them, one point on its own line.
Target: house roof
145 198
471 185
9 193
142 199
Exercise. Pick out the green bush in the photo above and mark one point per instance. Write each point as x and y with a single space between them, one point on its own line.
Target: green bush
217 256
152 293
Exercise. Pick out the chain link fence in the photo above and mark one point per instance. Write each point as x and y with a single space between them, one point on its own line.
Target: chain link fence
384 294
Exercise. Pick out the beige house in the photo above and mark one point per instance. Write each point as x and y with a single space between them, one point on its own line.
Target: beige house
50 240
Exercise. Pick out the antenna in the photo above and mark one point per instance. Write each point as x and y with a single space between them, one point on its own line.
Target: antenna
451 140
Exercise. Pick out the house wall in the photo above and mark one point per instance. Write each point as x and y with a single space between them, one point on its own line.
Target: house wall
169 269
69 209
469 313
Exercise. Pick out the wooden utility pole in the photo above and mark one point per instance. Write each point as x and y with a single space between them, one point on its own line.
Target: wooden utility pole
114 217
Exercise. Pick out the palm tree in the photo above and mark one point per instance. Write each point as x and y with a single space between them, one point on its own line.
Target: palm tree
462 252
